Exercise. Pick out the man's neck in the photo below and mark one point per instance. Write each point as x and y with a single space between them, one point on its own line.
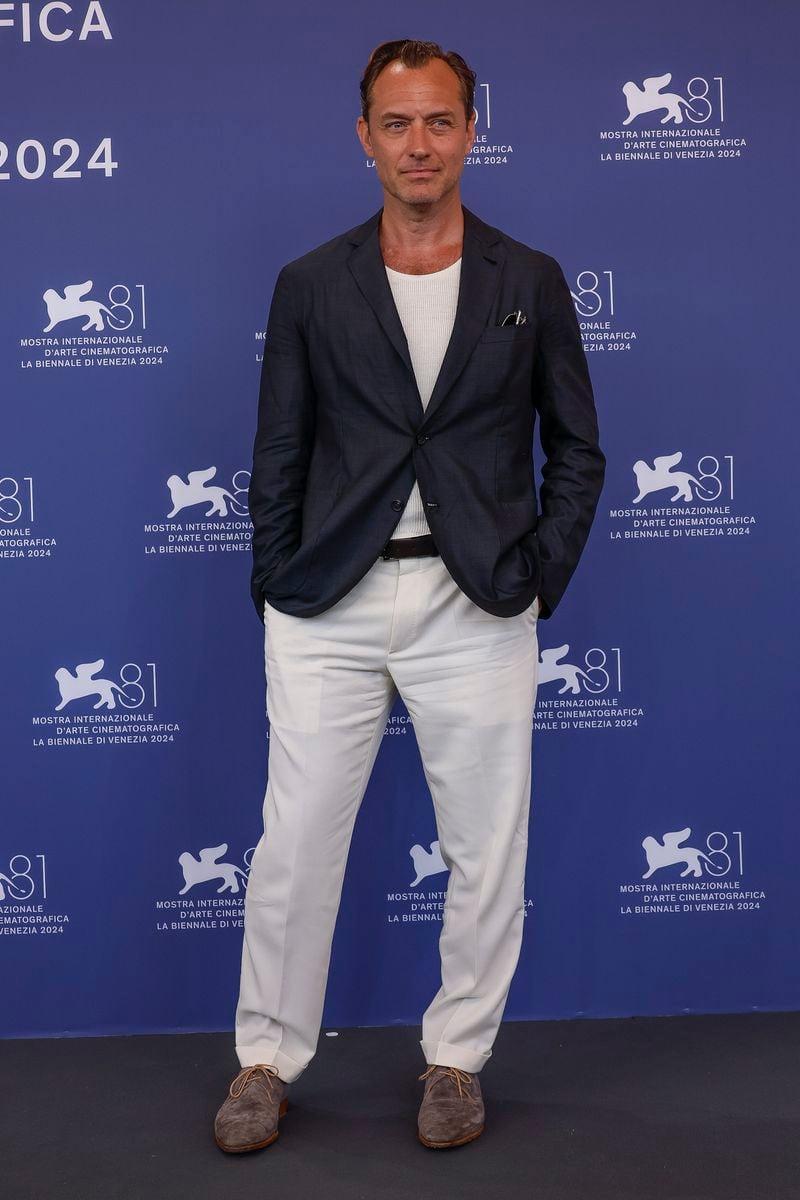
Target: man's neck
419 241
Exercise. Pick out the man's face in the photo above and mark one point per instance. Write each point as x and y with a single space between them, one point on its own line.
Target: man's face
418 133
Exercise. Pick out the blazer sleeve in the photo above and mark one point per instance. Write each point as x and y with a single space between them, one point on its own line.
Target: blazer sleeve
574 466
283 441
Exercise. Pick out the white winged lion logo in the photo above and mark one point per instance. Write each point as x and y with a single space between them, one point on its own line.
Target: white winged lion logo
650 98
206 868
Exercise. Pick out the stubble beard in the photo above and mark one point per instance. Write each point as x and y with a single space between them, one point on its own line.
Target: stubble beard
417 199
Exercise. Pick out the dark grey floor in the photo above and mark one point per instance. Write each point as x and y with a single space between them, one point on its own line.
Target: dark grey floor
676 1108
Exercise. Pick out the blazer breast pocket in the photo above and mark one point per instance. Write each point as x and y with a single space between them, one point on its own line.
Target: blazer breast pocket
506 333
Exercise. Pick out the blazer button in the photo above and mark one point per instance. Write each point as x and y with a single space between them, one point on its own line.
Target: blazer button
422 438
397 505
431 504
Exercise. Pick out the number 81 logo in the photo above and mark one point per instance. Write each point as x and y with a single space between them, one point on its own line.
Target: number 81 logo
21 878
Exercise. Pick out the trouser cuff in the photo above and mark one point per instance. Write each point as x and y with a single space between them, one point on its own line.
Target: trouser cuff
445 1055
288 1069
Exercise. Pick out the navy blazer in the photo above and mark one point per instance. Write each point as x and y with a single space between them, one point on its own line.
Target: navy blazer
342 432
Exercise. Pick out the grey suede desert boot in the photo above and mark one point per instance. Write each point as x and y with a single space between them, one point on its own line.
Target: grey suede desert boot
451 1112
248 1120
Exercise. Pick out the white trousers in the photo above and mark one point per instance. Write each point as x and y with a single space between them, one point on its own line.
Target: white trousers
468 680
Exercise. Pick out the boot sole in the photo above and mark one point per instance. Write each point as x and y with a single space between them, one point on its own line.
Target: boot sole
254 1145
470 1137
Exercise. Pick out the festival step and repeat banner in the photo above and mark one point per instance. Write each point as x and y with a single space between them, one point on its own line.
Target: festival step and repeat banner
159 164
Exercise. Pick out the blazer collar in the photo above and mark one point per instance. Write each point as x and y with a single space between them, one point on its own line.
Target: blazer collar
482 259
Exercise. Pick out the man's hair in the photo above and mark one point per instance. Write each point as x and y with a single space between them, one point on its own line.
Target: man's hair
416 54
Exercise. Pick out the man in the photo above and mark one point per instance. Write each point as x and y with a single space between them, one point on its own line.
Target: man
398 547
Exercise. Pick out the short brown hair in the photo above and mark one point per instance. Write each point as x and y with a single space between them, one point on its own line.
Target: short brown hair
416 54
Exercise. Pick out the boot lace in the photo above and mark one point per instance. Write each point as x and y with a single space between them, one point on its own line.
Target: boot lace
461 1077
247 1074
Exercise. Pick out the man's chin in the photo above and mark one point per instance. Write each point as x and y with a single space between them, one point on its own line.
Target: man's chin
421 195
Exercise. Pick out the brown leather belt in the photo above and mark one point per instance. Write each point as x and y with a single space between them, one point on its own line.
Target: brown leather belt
406 547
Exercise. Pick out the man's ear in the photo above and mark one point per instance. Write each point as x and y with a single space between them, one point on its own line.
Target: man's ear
470 133
362 132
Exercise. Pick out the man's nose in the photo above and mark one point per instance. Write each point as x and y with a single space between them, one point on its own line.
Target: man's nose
419 144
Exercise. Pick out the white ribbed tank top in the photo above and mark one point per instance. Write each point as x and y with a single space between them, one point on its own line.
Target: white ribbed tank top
426 305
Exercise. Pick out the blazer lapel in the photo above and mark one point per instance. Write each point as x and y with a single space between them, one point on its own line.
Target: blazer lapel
482 259
367 266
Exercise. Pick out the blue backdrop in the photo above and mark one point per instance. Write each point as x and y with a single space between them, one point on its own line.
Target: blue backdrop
158 165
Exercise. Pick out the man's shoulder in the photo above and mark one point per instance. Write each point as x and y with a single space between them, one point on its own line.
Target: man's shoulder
329 255
529 257
516 251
